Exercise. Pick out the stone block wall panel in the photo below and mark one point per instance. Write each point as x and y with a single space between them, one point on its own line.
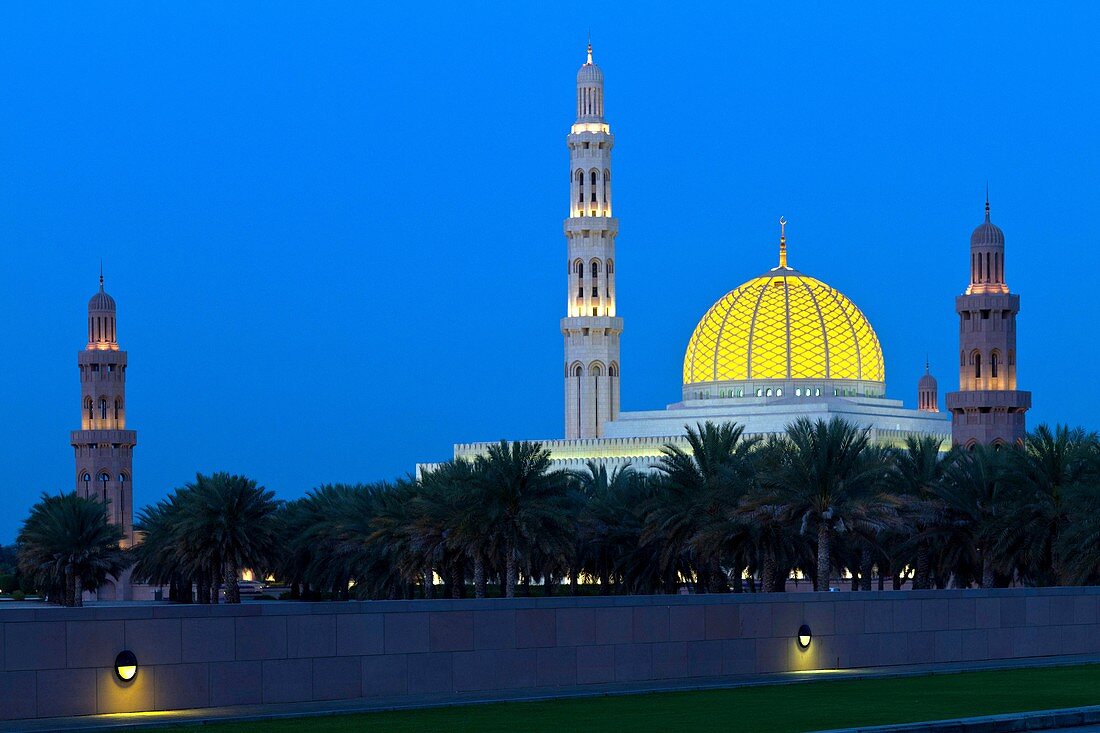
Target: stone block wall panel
58 662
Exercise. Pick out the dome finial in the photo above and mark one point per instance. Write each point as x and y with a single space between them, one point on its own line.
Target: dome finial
101 275
927 367
590 46
782 242
987 200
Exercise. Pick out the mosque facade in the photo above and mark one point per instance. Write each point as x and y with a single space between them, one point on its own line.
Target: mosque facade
781 346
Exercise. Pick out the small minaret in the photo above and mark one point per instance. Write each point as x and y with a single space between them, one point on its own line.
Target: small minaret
104 447
928 399
987 409
590 327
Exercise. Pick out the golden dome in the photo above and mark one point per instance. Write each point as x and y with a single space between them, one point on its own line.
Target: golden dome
787 326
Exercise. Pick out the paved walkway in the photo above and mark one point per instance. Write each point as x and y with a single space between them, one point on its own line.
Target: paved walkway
137 721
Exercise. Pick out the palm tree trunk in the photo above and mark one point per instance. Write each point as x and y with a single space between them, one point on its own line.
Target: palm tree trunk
232 590
716 577
987 572
922 577
458 579
214 588
509 570
573 585
824 550
866 566
479 577
76 599
428 583
768 572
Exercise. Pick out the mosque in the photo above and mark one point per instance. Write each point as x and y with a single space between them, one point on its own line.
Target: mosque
780 346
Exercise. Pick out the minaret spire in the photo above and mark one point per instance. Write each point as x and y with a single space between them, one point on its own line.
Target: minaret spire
782 243
589 47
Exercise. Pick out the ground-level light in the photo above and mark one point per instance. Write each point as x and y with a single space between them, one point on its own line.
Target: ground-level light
804 636
126 665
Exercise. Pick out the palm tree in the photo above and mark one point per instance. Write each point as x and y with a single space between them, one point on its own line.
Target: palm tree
1079 542
1053 464
824 483
919 470
161 558
526 504
699 493
449 527
236 521
601 516
66 544
971 495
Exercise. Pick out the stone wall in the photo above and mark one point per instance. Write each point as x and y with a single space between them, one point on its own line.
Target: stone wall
59 661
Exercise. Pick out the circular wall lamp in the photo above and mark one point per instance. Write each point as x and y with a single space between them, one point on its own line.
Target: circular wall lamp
804 636
126 665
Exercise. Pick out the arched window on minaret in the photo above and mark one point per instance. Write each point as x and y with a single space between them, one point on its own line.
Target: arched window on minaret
118 408
994 360
102 408
580 186
90 407
977 366
607 188
592 180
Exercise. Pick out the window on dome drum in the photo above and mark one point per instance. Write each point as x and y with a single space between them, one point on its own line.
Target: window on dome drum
797 391
759 392
779 392
768 392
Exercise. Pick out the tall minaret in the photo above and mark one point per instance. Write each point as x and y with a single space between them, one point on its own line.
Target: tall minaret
590 326
987 409
104 448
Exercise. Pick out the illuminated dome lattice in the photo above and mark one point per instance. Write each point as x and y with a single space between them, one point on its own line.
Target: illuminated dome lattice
783 325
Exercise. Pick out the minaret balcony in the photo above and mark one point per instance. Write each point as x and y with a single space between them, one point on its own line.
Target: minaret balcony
987 301
580 224
112 437
997 399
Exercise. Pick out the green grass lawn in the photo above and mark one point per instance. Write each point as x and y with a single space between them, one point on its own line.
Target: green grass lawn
791 708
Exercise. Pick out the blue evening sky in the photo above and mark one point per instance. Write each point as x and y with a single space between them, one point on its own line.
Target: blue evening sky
334 230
